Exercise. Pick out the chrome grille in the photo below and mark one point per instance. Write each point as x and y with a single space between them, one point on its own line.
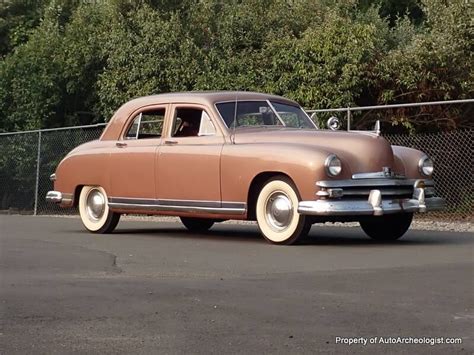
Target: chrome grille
397 191
389 187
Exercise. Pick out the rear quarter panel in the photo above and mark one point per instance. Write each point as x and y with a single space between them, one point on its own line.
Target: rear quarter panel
88 164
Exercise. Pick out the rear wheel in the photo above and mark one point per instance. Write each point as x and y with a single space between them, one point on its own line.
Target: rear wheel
94 210
197 224
388 227
277 212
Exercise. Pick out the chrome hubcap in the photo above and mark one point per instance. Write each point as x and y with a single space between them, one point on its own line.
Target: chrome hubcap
279 211
95 205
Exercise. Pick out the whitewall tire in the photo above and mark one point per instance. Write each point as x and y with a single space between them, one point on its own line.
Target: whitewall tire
277 212
94 210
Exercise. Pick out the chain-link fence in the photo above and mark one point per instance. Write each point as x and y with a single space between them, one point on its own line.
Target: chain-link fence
28 158
452 153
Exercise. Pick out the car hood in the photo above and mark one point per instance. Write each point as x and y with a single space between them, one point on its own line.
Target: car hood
358 151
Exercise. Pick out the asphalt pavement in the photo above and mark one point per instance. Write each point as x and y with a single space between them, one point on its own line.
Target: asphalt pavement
153 287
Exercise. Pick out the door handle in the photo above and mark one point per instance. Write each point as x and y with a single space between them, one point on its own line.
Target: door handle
171 142
121 144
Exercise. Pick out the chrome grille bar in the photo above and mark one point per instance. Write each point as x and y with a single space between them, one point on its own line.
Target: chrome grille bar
384 191
372 183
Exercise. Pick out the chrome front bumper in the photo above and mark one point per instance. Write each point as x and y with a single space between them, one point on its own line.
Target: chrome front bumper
376 204
353 208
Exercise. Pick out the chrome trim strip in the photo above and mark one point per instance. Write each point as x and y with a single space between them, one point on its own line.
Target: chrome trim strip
190 203
353 208
237 211
378 175
370 183
214 207
128 200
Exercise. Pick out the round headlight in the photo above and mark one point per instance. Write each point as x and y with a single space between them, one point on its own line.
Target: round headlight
333 165
425 165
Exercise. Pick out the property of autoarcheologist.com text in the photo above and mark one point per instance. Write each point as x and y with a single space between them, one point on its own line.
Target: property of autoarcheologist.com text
364 341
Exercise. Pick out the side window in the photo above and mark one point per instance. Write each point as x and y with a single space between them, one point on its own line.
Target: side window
133 130
147 124
206 128
192 122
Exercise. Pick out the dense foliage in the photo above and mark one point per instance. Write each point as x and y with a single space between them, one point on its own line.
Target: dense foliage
66 62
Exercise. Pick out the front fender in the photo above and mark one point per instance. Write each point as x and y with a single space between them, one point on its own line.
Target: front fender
241 163
406 161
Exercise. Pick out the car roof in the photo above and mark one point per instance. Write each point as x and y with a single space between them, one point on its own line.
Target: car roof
206 98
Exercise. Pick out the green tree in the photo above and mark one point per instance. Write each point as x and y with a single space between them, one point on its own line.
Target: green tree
18 18
31 84
146 55
50 80
435 63
76 62
394 9
327 66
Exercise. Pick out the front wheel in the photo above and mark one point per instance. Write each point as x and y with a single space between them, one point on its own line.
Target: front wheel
387 228
94 210
277 212
197 225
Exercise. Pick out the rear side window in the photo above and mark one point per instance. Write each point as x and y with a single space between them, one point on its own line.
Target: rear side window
147 124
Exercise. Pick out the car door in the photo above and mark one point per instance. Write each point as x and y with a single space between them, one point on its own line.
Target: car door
133 159
188 168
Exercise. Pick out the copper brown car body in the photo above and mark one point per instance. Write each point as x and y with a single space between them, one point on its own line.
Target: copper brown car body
219 171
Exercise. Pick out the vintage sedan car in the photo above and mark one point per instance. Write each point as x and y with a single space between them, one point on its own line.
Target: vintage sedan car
213 156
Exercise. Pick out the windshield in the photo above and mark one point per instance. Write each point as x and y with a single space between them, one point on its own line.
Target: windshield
263 113
293 116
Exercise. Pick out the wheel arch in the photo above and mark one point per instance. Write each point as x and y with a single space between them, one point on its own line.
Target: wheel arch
77 193
256 185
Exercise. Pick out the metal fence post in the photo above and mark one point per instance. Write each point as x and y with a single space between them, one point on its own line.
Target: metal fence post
38 161
348 118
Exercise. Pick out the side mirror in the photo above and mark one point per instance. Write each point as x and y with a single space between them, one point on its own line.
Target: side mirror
333 123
